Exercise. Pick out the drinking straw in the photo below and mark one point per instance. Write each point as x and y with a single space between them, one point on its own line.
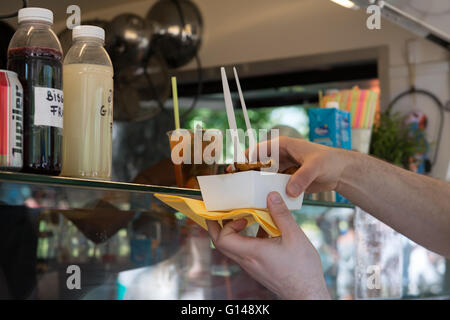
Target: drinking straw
370 105
360 109
367 109
374 104
348 102
175 103
355 96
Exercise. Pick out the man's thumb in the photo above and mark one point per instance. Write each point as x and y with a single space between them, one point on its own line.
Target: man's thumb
301 180
280 214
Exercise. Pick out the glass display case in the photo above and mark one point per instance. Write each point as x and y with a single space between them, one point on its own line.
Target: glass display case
65 238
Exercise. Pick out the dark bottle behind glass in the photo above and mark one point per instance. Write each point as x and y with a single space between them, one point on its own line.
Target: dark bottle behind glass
35 54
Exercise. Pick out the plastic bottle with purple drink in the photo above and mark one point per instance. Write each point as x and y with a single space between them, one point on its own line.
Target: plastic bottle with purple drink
35 54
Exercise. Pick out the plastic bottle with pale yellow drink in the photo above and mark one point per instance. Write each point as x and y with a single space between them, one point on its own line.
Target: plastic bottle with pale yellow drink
88 106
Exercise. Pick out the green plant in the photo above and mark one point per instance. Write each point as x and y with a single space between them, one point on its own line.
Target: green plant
392 140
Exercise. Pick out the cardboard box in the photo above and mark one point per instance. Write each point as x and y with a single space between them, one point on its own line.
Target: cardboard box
248 189
330 127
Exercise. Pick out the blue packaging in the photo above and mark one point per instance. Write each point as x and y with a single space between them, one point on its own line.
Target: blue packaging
346 133
330 127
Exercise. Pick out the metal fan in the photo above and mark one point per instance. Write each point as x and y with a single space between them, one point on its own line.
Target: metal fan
177 30
141 76
129 40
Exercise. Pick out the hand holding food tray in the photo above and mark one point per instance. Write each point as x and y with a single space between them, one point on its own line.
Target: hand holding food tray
241 193
246 188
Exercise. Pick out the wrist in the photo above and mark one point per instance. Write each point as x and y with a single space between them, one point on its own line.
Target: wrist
299 287
350 167
313 293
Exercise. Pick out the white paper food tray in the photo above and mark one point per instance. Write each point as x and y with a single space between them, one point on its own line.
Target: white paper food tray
248 189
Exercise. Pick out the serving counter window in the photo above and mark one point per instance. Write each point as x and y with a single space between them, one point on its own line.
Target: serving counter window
68 238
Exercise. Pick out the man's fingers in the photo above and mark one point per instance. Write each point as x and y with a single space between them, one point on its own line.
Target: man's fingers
301 179
232 243
229 227
213 229
281 215
232 227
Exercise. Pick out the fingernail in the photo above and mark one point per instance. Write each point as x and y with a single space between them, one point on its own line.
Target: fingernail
294 189
275 198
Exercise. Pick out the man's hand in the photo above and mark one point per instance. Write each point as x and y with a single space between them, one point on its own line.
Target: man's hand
288 265
315 161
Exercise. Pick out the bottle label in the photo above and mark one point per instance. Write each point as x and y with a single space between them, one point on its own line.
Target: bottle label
48 107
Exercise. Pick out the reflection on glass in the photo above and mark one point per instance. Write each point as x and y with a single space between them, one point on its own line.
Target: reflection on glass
129 245
379 259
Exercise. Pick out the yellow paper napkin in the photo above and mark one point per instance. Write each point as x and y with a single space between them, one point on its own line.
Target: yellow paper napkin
195 209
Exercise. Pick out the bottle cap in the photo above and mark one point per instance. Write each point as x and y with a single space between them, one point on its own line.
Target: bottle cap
88 31
40 14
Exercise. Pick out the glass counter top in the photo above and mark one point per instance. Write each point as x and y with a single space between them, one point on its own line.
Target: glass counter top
93 184
111 189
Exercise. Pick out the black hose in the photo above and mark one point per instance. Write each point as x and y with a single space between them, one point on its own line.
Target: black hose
439 104
14 14
195 99
154 92
199 90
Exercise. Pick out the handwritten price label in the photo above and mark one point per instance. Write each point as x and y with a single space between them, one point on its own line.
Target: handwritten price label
48 107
